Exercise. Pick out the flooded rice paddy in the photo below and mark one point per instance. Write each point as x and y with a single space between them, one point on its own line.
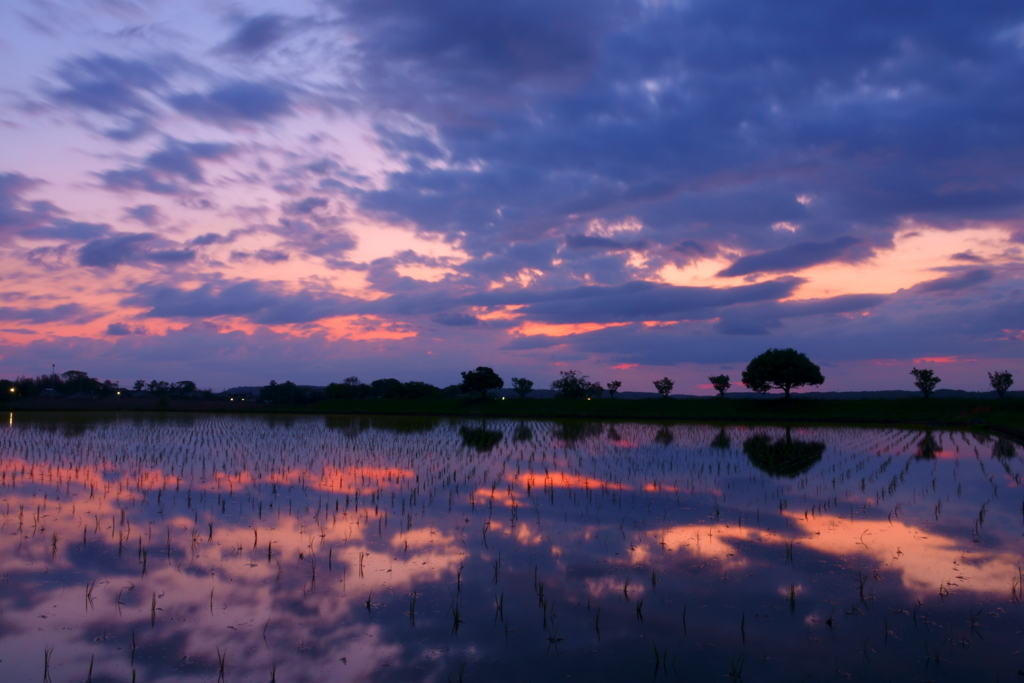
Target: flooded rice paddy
241 548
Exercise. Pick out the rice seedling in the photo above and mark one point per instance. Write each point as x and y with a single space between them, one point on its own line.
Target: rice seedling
221 658
47 656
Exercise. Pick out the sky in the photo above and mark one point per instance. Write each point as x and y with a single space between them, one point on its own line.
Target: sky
231 193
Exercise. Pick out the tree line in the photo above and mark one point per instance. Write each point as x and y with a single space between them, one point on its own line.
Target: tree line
782 369
76 382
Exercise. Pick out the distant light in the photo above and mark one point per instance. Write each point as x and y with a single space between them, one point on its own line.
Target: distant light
119 393
588 398
502 398
12 390
232 399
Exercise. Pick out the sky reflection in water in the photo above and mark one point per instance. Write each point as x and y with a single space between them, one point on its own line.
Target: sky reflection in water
416 549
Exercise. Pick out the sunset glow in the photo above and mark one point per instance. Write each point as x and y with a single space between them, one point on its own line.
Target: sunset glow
302 191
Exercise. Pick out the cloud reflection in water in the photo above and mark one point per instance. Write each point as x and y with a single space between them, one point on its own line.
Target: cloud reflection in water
403 550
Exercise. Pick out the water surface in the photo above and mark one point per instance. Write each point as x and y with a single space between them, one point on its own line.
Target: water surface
249 548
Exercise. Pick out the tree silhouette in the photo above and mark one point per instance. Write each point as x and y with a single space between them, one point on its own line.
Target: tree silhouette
522 386
786 457
483 379
158 388
572 384
613 387
286 393
664 386
781 369
183 388
721 383
1001 382
351 387
388 387
925 380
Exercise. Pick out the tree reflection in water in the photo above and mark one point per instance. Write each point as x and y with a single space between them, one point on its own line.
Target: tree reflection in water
664 436
928 446
481 439
1004 448
522 433
574 432
785 457
721 441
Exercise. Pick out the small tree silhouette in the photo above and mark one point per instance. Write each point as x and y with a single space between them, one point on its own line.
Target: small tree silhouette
1001 382
521 386
613 387
720 383
925 380
664 386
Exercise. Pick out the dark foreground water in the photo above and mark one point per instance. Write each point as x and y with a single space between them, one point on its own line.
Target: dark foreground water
195 548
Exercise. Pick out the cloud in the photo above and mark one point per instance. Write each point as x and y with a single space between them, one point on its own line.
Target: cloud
638 301
956 282
318 237
265 255
456 319
66 230
107 84
307 205
17 214
118 330
235 103
182 158
168 256
763 317
505 41
256 34
261 303
796 257
129 179
163 169
62 313
147 214
110 252
602 243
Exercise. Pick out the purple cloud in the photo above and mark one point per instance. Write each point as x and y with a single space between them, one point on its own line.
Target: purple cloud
234 103
256 34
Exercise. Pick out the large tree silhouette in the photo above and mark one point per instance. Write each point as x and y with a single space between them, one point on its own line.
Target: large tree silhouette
781 369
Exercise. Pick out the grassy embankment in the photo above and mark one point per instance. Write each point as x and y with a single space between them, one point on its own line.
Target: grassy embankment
1006 415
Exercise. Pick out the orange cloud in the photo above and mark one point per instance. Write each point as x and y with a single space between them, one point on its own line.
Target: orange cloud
530 329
